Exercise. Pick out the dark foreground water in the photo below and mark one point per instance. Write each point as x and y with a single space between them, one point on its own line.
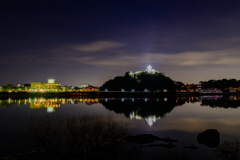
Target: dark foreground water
179 118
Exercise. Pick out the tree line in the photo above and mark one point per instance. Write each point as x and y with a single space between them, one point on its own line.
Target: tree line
221 84
140 82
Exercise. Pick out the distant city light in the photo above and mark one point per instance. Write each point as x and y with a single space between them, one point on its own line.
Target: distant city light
51 80
50 109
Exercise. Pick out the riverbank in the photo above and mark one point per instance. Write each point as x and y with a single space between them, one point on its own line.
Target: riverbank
108 94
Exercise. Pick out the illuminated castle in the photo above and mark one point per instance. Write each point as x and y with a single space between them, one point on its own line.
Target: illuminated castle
149 70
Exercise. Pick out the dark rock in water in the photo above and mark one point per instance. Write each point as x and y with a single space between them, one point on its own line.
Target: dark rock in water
168 139
141 138
191 147
169 145
210 138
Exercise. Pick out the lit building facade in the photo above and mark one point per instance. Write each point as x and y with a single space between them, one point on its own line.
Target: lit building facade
87 88
43 87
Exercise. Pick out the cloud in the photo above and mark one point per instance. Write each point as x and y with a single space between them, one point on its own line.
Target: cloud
97 46
112 53
225 57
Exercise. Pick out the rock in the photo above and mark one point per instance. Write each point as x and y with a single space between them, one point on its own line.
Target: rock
169 145
141 138
191 147
210 138
168 139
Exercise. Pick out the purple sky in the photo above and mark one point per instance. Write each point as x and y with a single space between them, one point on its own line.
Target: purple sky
93 41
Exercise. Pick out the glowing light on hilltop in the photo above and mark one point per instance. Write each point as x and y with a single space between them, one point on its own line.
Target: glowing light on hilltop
149 69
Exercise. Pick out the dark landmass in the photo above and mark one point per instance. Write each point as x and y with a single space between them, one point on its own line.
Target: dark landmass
221 84
139 82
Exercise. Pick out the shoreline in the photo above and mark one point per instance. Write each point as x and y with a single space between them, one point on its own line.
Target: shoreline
110 94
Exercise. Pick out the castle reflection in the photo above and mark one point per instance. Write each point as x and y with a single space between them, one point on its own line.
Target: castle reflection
149 109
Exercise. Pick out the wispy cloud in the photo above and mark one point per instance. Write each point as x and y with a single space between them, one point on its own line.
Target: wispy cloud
97 46
112 53
225 57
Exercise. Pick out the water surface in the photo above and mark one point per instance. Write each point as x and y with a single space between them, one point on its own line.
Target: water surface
179 118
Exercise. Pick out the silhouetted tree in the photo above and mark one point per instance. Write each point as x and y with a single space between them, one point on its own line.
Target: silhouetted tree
140 82
221 84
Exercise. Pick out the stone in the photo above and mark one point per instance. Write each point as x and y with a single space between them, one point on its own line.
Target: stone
141 138
210 138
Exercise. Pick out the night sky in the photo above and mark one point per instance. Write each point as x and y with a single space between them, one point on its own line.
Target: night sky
93 41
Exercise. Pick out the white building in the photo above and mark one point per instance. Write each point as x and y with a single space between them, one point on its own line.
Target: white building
149 70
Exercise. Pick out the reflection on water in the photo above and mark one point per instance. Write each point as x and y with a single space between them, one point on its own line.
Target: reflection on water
149 109
189 115
229 102
49 104
146 109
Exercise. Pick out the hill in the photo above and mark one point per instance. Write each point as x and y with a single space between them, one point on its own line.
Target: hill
148 80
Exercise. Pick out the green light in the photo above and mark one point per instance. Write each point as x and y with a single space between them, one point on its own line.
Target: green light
50 109
51 80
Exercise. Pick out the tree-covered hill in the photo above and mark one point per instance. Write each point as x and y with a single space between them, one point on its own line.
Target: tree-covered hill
139 82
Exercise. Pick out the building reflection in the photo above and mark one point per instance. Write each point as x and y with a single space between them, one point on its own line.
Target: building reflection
50 104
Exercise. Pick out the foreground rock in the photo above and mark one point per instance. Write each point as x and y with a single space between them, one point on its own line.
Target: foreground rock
169 145
147 138
191 147
210 138
141 138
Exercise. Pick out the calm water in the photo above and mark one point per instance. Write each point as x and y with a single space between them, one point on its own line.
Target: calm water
178 118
